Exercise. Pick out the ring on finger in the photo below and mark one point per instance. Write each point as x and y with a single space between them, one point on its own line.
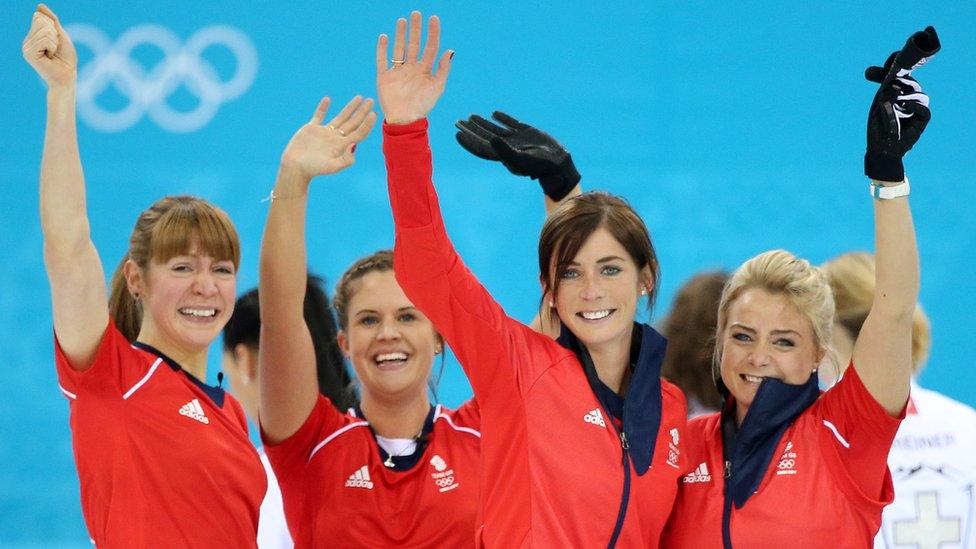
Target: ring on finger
398 62
342 133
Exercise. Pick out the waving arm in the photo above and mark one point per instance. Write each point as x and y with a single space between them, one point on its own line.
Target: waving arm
287 358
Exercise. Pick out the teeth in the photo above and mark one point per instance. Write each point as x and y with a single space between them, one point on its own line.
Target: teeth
595 315
752 379
199 312
391 356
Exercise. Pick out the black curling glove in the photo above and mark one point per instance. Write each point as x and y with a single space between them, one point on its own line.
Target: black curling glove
524 150
900 111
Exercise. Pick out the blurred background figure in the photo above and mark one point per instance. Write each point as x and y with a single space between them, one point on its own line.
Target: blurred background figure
690 329
240 363
933 459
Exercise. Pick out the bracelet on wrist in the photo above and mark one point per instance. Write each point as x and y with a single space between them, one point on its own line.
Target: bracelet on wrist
275 196
884 192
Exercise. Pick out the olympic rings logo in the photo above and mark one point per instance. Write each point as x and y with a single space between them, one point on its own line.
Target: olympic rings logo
148 91
786 464
444 482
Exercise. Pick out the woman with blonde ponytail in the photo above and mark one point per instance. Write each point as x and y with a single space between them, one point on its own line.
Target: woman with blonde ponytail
163 459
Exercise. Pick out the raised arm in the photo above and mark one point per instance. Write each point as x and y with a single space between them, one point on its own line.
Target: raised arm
488 344
74 270
289 388
899 114
529 152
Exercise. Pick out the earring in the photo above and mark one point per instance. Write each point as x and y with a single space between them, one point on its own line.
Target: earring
551 304
643 290
438 350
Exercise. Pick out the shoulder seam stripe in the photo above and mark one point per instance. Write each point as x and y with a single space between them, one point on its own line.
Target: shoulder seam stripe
833 429
329 438
67 393
144 379
454 426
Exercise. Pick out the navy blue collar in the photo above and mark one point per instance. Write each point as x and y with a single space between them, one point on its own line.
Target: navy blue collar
216 394
640 408
750 446
407 462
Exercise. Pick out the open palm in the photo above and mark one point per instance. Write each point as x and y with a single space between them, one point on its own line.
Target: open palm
408 88
321 150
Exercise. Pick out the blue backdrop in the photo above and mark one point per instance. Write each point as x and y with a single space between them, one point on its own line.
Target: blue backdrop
732 128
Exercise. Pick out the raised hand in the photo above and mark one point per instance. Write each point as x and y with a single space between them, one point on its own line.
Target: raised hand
48 49
321 150
407 86
900 111
524 150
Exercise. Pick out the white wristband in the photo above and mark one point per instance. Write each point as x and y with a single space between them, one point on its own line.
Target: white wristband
886 193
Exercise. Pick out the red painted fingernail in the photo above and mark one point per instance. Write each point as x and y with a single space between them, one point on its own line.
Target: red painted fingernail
353 149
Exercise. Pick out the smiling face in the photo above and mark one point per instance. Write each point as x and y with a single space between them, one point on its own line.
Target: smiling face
765 336
598 292
390 343
186 300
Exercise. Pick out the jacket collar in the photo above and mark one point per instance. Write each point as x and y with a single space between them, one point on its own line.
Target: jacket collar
216 394
642 404
750 446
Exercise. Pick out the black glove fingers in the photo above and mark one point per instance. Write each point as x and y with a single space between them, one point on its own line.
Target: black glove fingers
875 74
490 127
509 121
511 157
473 142
475 145
474 129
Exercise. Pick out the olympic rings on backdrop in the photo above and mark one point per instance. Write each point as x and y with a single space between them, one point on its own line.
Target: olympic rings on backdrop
147 91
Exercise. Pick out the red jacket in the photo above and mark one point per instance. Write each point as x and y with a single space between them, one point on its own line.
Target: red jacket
337 492
554 470
825 485
163 460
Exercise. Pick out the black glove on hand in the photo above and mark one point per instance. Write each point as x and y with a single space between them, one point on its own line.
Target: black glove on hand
523 149
900 111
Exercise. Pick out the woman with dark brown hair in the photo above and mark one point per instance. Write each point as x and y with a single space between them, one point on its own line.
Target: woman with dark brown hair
163 459
690 329
581 437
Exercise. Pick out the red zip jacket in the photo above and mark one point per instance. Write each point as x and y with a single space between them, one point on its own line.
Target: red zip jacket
555 472
825 486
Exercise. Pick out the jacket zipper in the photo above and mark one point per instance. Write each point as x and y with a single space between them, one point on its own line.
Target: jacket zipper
727 507
622 513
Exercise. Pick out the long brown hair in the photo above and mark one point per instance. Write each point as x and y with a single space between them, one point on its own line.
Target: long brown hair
573 222
171 226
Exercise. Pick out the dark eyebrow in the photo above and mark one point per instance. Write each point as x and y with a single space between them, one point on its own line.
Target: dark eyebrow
601 260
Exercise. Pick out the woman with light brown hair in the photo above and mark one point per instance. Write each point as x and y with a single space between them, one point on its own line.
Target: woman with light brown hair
396 470
163 459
